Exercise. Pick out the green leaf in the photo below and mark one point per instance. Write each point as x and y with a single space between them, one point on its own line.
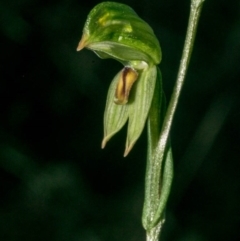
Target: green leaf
167 177
152 179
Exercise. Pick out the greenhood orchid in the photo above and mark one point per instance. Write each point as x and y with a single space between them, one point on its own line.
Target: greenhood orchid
114 30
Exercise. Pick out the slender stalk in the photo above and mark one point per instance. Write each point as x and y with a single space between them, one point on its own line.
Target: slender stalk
195 10
159 171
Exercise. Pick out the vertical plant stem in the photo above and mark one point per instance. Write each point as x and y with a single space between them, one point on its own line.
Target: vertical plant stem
195 10
159 170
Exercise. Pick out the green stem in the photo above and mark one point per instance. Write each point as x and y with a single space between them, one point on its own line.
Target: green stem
196 6
159 171
154 233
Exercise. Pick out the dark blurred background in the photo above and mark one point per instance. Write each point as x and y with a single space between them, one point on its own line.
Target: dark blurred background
56 182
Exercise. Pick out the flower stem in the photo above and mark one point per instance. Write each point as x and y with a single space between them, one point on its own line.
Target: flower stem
195 10
159 170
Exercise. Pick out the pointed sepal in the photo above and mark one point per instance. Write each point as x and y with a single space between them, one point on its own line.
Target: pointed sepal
140 105
115 116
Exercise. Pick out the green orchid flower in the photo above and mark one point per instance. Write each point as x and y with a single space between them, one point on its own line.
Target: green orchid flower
114 30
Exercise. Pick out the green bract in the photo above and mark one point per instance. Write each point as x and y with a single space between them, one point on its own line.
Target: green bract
114 30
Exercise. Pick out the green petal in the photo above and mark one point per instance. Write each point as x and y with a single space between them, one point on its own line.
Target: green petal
139 105
115 116
120 52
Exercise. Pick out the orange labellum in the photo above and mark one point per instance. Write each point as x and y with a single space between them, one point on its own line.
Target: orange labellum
126 80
